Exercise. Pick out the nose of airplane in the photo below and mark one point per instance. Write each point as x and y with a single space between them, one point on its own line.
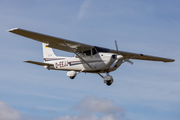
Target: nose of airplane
114 56
119 57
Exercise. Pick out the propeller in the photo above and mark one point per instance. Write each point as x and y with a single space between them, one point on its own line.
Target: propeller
119 57
117 47
125 59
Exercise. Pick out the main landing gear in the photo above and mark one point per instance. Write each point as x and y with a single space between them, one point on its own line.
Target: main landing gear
71 74
108 79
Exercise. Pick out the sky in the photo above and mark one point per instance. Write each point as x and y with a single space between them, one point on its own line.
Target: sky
143 91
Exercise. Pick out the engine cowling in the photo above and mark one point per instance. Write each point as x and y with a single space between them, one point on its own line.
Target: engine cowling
71 74
108 80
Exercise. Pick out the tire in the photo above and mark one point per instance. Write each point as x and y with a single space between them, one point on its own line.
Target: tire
72 77
108 83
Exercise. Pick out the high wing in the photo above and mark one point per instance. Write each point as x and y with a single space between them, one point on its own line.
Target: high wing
130 55
54 42
61 44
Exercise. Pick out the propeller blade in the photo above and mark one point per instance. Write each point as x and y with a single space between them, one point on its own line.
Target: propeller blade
127 60
120 57
114 64
116 47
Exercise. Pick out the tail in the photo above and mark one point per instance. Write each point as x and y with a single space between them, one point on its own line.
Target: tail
48 53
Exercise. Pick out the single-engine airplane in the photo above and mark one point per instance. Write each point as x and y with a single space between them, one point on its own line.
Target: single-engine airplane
88 58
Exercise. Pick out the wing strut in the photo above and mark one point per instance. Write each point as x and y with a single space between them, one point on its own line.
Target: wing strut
81 58
78 55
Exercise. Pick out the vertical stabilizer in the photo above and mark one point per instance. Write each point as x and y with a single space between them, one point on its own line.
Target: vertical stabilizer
47 52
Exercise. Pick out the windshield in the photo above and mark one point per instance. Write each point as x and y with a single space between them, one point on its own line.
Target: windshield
100 49
93 51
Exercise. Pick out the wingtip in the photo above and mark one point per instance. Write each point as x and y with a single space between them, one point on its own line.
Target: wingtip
171 60
12 29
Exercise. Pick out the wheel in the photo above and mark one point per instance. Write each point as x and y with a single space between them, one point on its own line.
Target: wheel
108 83
108 80
72 77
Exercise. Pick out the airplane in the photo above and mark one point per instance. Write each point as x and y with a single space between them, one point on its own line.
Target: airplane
88 58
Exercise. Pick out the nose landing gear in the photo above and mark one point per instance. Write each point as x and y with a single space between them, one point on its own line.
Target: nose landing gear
108 79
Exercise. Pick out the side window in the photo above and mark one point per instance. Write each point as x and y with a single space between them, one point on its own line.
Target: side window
87 53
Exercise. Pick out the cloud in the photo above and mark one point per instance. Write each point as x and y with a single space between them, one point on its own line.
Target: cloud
8 113
98 105
83 8
86 117
93 105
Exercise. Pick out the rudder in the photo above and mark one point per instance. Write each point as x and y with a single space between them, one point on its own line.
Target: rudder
47 52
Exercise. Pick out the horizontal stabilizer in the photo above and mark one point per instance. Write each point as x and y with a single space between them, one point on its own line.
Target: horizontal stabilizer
38 63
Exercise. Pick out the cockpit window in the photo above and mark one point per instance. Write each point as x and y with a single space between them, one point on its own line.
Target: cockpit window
100 49
94 51
85 53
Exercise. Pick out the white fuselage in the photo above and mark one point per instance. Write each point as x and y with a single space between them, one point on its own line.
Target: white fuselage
100 63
